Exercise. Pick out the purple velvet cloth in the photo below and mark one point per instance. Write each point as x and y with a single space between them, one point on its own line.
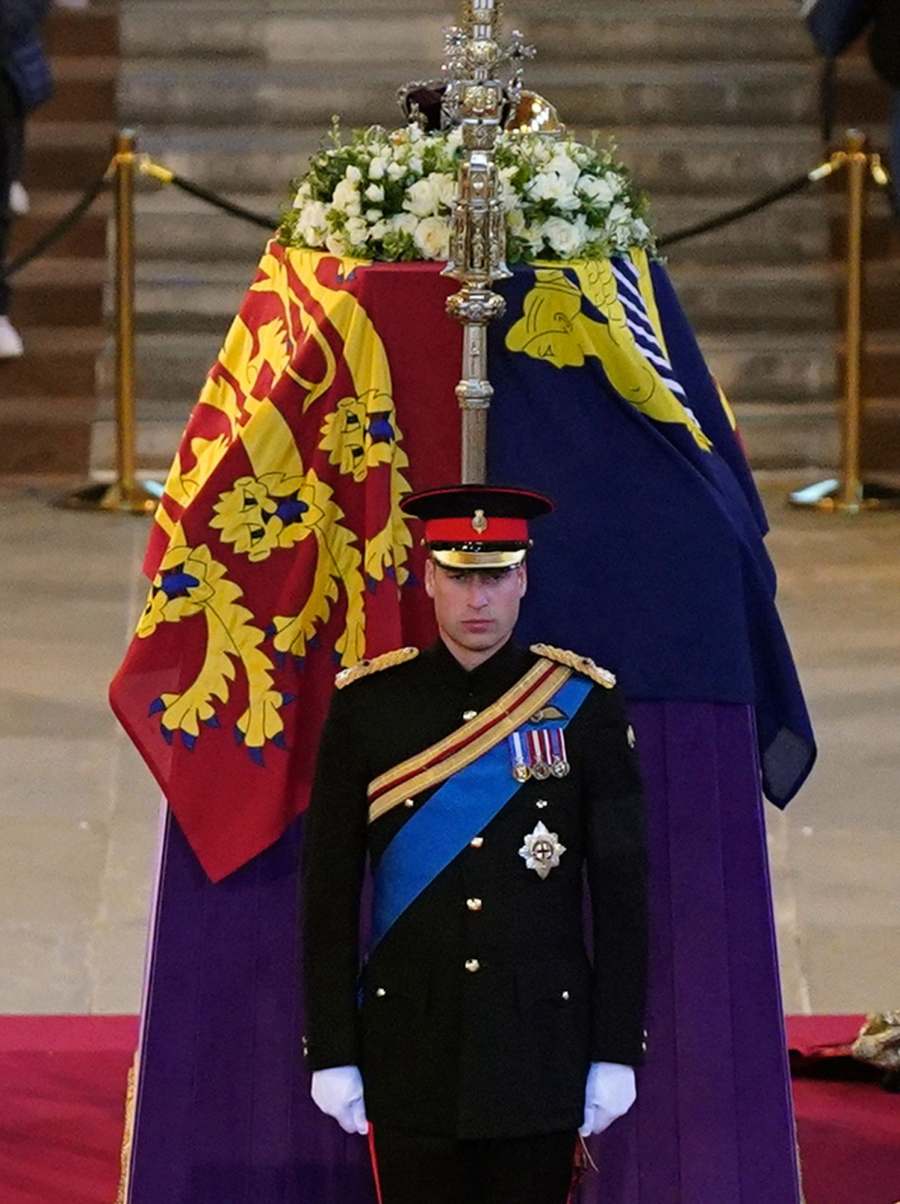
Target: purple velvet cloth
223 1110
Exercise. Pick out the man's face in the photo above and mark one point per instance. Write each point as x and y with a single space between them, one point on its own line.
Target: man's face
476 610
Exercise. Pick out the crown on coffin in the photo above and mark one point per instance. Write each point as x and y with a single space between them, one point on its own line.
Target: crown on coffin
522 110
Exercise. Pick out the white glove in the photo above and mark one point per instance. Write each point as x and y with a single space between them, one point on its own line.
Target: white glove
338 1092
609 1094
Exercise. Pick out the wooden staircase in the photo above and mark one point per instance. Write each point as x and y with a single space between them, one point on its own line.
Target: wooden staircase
48 398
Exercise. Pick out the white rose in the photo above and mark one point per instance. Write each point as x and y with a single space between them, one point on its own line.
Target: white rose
313 222
640 229
422 197
534 236
414 130
336 244
565 238
515 221
596 189
414 165
373 215
432 237
379 229
565 167
374 193
376 168
543 187
395 171
357 230
405 223
302 197
353 173
619 215
445 188
346 198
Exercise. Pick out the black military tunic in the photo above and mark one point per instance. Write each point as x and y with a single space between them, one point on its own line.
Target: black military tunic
480 1011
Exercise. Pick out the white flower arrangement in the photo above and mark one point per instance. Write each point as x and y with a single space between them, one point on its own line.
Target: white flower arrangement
388 195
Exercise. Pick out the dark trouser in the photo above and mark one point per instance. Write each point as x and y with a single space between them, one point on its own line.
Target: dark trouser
10 123
416 1169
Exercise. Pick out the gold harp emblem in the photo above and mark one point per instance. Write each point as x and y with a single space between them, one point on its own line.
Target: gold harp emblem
479 522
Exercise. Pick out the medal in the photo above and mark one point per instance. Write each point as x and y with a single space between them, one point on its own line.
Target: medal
542 850
559 764
521 769
541 754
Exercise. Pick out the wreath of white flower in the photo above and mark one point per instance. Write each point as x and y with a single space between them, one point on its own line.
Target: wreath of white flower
388 195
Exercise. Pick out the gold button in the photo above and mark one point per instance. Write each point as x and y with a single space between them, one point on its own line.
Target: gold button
476 842
467 715
565 994
473 904
380 992
473 965
409 802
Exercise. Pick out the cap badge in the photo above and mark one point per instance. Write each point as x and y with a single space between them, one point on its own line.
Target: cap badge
479 522
542 850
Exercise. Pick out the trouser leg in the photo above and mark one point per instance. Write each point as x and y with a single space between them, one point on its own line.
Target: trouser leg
8 119
536 1170
417 1169
412 1168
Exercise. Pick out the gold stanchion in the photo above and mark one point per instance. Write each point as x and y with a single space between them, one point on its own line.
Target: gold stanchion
850 494
126 493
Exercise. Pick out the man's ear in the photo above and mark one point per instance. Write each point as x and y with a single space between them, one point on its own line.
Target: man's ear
523 579
429 577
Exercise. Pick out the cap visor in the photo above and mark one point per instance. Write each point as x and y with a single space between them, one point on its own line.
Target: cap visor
450 558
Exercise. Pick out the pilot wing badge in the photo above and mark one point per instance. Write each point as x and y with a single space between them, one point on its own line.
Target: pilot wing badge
542 850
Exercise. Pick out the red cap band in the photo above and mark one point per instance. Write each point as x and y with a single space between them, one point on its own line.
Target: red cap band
463 530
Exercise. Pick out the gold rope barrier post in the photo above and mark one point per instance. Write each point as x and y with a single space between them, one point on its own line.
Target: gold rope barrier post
126 493
850 494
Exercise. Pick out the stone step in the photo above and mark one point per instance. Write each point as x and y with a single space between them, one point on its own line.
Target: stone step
789 436
59 292
287 33
164 92
88 32
87 238
67 154
44 435
58 363
84 90
762 366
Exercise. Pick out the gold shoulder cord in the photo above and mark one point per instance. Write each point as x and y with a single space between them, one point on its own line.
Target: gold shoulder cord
387 660
572 660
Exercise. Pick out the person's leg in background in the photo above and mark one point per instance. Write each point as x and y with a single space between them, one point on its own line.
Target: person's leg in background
10 342
19 201
895 152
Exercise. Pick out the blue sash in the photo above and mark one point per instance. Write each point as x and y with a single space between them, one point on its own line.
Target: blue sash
464 805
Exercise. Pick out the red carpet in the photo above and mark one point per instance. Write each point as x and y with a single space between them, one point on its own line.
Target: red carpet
62 1092
63 1087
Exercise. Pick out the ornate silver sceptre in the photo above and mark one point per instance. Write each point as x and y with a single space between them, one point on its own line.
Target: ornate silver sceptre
475 99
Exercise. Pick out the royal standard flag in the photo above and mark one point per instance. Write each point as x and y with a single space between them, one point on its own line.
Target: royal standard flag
279 552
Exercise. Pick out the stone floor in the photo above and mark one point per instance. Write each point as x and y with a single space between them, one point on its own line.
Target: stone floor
79 813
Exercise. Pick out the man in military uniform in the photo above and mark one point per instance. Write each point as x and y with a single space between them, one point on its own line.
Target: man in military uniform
481 779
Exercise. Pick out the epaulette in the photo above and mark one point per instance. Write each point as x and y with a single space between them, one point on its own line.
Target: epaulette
581 664
374 664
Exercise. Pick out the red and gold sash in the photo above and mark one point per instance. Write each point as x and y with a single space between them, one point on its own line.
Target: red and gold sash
467 743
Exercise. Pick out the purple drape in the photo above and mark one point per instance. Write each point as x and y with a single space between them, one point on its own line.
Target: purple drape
223 1107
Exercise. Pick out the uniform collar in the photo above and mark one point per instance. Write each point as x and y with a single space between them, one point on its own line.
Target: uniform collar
501 670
